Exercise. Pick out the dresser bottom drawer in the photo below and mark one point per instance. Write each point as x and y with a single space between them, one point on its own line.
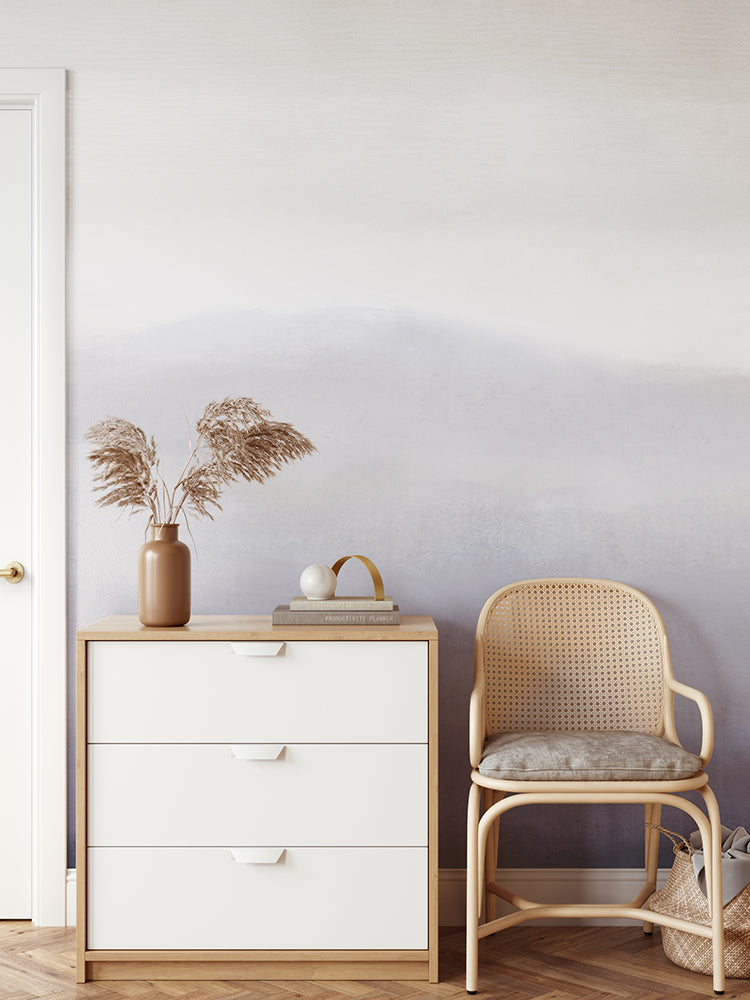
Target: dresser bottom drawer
218 898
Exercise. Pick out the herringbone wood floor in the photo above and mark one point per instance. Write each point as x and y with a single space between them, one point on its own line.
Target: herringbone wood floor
525 963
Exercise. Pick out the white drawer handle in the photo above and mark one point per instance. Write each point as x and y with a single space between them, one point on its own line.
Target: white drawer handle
257 648
257 855
257 751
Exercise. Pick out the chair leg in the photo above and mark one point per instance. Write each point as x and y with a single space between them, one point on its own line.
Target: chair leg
490 857
714 884
652 816
472 889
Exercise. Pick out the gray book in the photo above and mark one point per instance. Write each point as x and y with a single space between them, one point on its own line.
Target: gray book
341 604
282 615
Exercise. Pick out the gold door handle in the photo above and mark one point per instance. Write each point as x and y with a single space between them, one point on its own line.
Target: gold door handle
13 572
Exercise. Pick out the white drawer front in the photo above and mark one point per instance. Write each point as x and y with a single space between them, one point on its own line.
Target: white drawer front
321 898
308 692
302 794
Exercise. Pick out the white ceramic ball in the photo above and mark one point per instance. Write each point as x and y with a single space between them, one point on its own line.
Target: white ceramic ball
318 582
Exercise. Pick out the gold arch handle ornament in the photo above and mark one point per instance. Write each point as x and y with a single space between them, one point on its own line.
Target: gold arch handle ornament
13 572
377 579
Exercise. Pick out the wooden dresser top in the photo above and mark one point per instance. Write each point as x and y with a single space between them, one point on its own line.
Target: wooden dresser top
249 628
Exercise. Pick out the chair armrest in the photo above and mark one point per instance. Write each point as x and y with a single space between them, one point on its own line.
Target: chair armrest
476 725
707 718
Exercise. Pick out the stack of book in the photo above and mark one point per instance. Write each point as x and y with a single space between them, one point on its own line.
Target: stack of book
337 611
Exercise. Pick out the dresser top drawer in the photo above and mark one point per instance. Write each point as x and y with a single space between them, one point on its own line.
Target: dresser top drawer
304 692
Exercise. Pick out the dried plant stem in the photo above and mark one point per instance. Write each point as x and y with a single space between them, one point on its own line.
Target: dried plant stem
237 439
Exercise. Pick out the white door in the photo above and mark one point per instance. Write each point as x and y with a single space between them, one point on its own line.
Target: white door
16 287
32 495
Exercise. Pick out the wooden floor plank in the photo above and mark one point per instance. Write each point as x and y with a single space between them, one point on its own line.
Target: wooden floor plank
523 963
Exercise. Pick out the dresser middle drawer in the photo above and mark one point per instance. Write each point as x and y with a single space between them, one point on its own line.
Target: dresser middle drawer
220 794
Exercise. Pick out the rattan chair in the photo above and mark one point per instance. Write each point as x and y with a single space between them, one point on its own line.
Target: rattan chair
573 701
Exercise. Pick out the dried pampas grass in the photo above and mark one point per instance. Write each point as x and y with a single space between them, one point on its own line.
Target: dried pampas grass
237 439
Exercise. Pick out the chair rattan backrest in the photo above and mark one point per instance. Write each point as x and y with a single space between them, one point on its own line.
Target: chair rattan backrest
572 654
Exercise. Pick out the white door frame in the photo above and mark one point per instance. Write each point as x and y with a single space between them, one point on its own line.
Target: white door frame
43 92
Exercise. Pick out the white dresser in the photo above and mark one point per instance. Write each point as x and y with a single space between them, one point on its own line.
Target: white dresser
257 802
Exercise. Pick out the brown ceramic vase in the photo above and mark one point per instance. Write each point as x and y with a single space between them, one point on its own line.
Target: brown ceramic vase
164 578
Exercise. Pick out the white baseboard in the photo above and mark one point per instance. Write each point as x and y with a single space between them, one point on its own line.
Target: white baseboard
552 885
70 898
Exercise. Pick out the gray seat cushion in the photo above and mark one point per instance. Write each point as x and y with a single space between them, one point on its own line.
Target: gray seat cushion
575 756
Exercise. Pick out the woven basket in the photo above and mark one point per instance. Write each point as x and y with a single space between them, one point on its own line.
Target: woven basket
681 897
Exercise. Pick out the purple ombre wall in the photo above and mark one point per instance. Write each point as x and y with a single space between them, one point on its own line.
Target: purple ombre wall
491 258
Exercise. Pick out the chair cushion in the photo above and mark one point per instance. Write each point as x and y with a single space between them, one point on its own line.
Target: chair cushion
584 756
